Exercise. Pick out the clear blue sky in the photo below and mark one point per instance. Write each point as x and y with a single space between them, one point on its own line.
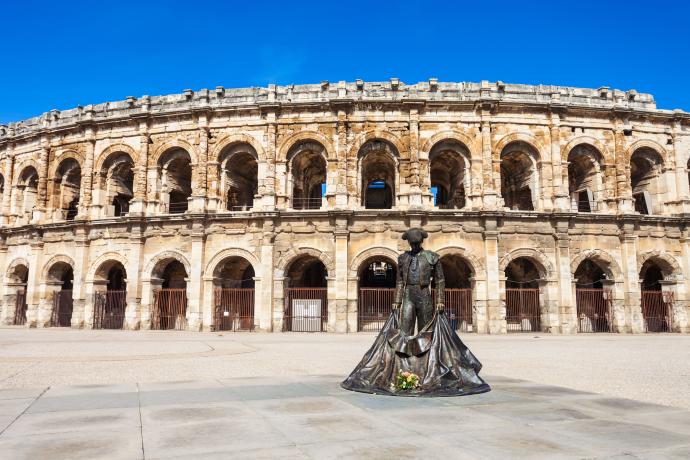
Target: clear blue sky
59 54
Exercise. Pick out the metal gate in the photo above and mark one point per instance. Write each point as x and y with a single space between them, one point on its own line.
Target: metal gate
20 309
234 309
62 309
373 308
657 311
522 310
109 309
169 309
594 310
306 309
458 308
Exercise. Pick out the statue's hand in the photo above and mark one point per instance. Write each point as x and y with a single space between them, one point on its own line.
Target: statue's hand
396 306
440 307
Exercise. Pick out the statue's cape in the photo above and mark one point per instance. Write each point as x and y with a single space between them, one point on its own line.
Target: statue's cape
445 366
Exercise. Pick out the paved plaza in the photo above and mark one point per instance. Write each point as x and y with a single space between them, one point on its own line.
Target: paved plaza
139 394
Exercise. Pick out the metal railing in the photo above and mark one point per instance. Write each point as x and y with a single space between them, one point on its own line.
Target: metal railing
306 309
657 311
307 203
234 309
583 205
109 309
594 310
169 309
20 309
62 309
522 310
178 207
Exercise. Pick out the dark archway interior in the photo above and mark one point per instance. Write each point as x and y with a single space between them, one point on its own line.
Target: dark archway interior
652 275
516 176
241 179
178 174
67 187
174 276
377 272
522 273
235 272
644 169
20 274
589 275
117 278
307 271
581 177
447 170
62 272
378 180
457 272
308 169
117 179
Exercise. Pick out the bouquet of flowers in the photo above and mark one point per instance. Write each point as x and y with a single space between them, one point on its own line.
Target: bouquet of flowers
405 381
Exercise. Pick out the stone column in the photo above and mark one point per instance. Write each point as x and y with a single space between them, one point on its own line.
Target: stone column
623 186
561 201
683 306
263 296
415 193
634 321
491 183
567 310
199 185
7 194
341 195
81 265
86 187
682 180
42 202
270 139
343 323
495 314
137 206
33 283
194 286
133 313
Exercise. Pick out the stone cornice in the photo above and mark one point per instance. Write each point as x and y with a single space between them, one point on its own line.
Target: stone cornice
343 96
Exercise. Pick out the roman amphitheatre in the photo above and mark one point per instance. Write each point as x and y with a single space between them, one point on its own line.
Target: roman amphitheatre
280 208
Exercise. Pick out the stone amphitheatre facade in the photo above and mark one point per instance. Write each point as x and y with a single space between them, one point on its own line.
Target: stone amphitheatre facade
281 208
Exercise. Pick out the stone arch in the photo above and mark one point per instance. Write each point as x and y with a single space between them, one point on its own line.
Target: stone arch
646 143
230 139
154 261
377 251
454 135
527 138
604 153
22 167
13 265
667 263
602 259
115 148
294 253
160 150
370 135
220 256
101 260
474 262
540 260
54 260
297 137
63 156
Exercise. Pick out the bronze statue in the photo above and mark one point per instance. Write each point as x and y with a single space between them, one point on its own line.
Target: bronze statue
434 362
416 269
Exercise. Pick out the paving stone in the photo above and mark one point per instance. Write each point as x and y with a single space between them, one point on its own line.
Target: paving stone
85 401
74 421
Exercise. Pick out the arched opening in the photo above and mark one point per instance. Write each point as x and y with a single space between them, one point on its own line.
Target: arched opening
59 284
27 194
447 174
308 172
645 180
169 281
594 298
110 298
656 304
584 181
116 184
175 180
376 286
66 187
17 279
239 176
233 279
523 308
306 295
378 165
519 176
458 276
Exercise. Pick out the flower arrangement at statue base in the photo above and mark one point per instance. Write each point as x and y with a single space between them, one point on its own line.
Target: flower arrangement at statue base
405 381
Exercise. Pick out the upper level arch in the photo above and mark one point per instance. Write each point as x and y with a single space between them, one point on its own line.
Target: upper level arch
229 141
395 145
308 139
